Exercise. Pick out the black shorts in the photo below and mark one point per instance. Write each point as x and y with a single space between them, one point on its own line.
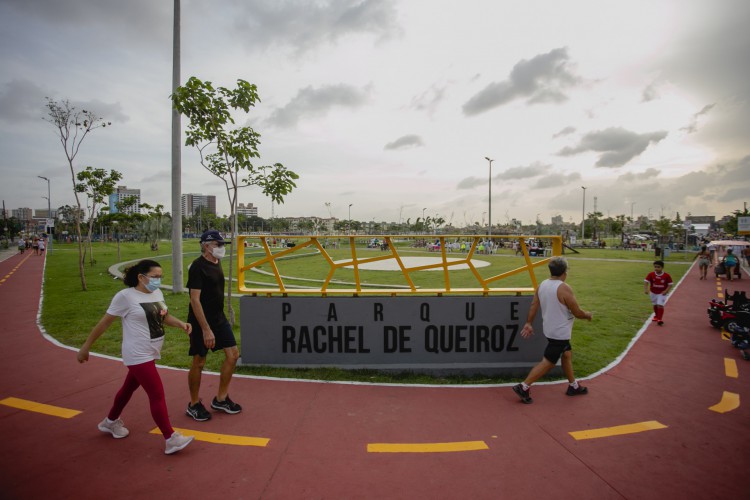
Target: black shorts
555 349
223 334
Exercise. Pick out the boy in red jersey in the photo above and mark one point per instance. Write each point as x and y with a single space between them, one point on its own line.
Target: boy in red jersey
658 283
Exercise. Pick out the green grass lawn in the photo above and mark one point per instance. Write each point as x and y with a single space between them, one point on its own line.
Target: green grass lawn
611 288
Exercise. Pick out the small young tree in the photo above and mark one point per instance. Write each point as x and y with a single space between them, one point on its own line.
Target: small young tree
73 126
155 224
97 185
228 153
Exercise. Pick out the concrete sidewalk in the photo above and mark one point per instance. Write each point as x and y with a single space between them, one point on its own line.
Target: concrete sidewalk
667 422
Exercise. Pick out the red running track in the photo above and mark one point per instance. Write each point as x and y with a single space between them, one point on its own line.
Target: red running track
319 432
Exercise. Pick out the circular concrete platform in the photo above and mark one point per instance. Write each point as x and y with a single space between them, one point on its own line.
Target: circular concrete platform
410 262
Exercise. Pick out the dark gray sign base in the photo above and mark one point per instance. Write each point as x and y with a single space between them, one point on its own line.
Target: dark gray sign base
454 335
436 370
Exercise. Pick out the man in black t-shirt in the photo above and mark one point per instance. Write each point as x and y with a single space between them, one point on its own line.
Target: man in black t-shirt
211 329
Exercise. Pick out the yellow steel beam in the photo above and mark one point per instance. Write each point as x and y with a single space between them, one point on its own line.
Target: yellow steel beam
270 258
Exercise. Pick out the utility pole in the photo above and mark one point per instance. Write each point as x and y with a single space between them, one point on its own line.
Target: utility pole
583 212
489 215
177 274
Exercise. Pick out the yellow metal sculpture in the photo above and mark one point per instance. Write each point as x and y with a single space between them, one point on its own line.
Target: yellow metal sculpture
306 243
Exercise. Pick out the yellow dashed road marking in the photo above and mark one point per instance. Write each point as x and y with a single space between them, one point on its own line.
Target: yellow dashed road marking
55 411
730 368
618 430
2 281
426 447
211 437
729 401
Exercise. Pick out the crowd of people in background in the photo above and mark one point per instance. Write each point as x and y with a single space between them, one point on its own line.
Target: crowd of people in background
36 244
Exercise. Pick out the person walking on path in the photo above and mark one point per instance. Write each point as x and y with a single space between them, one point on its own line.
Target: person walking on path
712 253
730 262
211 329
704 260
657 285
41 246
559 308
144 314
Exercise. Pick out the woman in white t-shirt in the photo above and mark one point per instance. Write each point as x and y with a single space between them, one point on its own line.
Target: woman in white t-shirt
144 314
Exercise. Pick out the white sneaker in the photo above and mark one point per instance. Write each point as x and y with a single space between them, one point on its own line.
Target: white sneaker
116 428
176 442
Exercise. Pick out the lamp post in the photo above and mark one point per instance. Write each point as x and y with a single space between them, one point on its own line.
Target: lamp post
350 218
49 204
117 236
583 211
489 214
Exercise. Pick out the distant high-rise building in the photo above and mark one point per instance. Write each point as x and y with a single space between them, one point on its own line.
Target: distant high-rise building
191 202
22 214
120 194
40 213
247 210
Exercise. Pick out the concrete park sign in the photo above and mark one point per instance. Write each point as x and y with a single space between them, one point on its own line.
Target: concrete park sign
438 335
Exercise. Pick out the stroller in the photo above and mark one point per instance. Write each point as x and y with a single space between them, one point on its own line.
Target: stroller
720 269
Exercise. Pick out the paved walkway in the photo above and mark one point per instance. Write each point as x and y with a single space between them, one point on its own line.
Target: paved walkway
670 421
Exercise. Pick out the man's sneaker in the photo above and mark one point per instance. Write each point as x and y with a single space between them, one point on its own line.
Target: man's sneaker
227 405
198 412
660 322
116 428
524 395
576 392
176 442
654 319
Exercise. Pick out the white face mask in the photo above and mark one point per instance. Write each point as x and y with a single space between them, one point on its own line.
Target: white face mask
219 252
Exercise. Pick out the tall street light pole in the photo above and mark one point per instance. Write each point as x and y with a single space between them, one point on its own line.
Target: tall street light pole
489 214
350 218
49 204
177 273
583 211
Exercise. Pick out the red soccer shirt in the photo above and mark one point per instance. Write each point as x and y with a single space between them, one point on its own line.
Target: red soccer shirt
658 282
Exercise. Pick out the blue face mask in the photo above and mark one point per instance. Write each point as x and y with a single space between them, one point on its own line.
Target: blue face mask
153 284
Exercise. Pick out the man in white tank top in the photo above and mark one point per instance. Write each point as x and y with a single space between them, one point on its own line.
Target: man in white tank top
559 308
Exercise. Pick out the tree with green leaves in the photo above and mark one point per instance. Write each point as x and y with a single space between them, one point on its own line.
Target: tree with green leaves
228 153
664 228
12 227
341 226
593 223
155 223
306 225
73 126
97 184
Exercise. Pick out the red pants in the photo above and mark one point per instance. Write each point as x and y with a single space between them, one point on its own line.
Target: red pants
147 376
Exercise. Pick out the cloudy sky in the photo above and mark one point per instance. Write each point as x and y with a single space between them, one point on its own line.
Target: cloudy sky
392 106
